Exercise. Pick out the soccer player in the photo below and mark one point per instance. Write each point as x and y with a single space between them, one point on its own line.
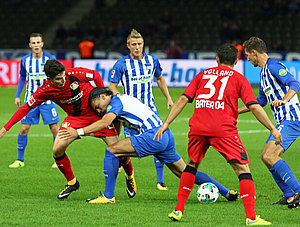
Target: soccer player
32 72
277 87
70 90
139 117
216 92
136 71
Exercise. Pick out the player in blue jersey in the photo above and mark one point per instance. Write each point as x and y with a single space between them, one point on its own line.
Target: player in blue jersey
136 72
279 88
32 72
138 117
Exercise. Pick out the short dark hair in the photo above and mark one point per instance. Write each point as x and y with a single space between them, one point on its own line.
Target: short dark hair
227 54
53 67
36 35
255 43
97 91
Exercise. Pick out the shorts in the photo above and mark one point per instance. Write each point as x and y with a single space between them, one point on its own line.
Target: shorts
231 148
164 150
48 112
85 120
130 132
290 131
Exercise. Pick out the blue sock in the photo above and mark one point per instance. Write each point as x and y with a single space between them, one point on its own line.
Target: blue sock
22 143
203 177
110 170
286 174
54 138
159 170
287 191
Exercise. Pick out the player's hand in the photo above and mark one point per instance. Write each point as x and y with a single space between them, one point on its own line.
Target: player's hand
2 132
160 132
170 103
277 136
68 133
277 103
18 102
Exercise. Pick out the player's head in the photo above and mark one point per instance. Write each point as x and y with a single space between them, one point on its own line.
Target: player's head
135 44
55 72
254 47
36 42
99 99
227 54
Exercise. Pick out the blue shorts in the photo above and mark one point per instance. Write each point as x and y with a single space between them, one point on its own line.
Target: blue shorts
48 112
164 150
290 130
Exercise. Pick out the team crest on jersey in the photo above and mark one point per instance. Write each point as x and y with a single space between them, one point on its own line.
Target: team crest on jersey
31 101
282 72
74 85
65 124
109 107
112 74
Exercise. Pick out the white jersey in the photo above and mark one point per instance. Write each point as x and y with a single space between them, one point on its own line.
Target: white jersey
133 113
136 77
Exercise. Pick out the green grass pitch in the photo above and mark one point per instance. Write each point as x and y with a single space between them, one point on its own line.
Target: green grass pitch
28 195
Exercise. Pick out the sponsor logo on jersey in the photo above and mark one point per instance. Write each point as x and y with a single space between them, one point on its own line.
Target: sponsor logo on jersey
65 124
89 75
113 74
31 101
109 107
73 99
282 72
74 85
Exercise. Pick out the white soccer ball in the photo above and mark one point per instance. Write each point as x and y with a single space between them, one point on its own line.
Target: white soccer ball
207 193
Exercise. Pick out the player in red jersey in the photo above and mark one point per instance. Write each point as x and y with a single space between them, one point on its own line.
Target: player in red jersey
70 90
216 92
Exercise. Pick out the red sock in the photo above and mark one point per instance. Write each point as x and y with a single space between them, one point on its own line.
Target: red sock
247 193
64 165
126 163
187 181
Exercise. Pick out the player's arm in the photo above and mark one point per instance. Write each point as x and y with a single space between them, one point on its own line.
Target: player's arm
21 85
261 99
175 111
161 82
98 79
263 118
113 88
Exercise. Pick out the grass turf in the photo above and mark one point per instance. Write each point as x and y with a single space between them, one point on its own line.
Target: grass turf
28 195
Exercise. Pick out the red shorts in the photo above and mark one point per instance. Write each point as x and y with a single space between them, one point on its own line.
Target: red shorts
230 147
83 121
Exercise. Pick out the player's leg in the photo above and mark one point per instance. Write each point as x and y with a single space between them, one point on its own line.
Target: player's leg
160 175
54 130
113 152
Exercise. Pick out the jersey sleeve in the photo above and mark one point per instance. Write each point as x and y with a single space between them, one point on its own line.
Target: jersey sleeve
246 92
98 79
37 98
115 106
21 112
117 72
262 99
191 89
280 72
157 67
22 80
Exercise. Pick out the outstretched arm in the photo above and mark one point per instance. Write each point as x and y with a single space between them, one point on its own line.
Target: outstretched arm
113 88
263 118
175 111
164 89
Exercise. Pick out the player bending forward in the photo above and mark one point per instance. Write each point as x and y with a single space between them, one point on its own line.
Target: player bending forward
139 117
213 123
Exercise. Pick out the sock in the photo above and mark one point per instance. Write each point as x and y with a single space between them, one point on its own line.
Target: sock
247 193
159 170
64 165
286 174
203 178
54 138
126 163
110 170
187 181
22 143
287 191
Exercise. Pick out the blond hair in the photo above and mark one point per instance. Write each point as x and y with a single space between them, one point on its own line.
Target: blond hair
134 34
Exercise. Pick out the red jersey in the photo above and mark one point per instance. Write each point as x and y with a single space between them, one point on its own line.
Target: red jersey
216 92
73 97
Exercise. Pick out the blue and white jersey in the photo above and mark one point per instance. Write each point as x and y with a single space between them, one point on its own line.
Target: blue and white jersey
273 87
136 77
133 113
32 71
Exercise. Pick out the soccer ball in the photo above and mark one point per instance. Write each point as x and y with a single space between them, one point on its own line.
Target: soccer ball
207 193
